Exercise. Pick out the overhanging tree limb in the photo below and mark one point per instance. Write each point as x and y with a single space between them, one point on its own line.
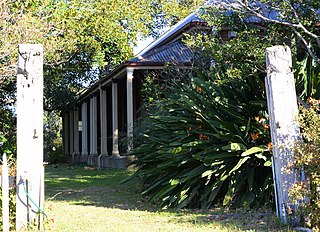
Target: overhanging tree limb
241 6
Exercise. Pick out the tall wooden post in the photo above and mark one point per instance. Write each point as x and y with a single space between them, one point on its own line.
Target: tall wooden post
283 109
30 195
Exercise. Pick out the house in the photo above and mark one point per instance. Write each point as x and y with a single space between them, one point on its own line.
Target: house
92 127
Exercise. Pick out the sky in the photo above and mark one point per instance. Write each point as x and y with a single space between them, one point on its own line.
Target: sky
143 43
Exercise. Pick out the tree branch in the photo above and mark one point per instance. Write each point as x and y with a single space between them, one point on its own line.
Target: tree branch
307 45
294 26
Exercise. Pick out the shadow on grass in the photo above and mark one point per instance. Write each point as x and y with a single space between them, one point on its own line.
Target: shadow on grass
99 188
102 188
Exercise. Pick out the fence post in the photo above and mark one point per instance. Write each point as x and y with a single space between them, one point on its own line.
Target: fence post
5 194
283 110
29 136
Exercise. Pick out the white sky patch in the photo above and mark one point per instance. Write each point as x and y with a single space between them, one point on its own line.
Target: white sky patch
142 43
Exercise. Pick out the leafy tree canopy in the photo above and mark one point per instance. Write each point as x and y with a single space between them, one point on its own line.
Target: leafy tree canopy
80 38
300 17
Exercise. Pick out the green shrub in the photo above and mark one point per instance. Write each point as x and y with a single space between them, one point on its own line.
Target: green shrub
52 137
205 144
307 160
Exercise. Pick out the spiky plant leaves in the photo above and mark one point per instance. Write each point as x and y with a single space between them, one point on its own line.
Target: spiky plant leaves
207 141
307 78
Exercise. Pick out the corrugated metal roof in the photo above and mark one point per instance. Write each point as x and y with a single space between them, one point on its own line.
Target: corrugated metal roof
175 52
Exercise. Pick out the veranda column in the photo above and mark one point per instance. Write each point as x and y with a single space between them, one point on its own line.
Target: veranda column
71 124
129 109
115 148
103 124
91 124
92 160
84 154
76 152
90 132
66 137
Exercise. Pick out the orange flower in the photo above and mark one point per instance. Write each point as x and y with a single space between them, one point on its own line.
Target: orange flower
199 90
254 136
269 145
203 137
265 126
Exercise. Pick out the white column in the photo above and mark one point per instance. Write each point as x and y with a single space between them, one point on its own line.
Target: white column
115 148
71 134
66 137
91 126
95 127
84 116
76 152
93 131
91 123
129 109
103 125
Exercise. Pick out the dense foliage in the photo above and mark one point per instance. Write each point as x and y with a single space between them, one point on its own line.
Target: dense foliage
207 144
300 18
82 39
307 76
52 138
305 192
307 160
202 145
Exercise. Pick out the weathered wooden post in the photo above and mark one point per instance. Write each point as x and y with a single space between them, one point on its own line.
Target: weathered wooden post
30 174
283 109
5 194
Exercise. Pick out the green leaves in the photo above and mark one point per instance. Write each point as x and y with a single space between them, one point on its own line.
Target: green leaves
254 150
82 39
234 147
307 75
207 144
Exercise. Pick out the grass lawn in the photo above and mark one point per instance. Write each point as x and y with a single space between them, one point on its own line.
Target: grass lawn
94 200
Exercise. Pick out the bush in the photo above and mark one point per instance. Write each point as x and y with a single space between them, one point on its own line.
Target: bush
307 160
207 144
52 138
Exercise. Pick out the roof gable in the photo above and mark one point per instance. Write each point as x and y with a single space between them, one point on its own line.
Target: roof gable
176 29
